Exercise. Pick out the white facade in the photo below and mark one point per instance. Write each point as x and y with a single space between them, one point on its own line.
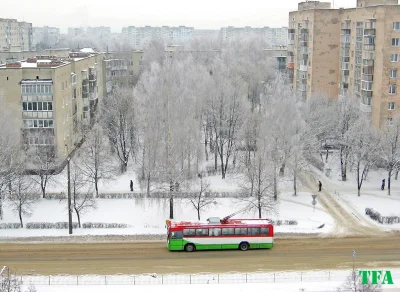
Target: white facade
140 36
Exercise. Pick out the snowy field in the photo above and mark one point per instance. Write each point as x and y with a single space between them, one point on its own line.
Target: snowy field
283 281
147 216
371 194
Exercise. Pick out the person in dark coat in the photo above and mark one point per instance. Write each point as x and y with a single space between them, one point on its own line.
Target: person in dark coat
319 186
131 185
383 185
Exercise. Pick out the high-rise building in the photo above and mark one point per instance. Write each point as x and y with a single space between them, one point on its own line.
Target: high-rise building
138 37
15 36
53 98
48 36
273 36
352 51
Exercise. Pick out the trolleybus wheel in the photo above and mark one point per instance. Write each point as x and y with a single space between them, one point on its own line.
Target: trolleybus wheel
189 247
243 246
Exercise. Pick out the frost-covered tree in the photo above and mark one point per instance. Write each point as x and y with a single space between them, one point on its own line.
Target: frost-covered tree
353 283
364 146
168 95
42 160
389 148
10 282
95 161
11 158
120 123
82 198
226 103
23 196
347 114
258 179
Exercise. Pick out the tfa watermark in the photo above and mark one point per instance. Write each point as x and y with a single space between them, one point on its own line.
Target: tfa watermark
375 277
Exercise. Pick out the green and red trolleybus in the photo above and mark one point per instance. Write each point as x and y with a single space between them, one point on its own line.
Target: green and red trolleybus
227 233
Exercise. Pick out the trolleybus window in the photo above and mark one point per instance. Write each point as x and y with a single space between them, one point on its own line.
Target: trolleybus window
241 231
215 231
254 231
264 231
228 231
189 232
175 235
202 232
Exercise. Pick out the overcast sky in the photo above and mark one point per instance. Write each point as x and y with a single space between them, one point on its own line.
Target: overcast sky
201 14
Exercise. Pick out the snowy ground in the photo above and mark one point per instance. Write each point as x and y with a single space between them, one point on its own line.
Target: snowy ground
283 281
371 194
147 216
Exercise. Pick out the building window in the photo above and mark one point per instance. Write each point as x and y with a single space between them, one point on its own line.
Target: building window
38 124
396 25
392 89
393 73
395 58
391 106
395 42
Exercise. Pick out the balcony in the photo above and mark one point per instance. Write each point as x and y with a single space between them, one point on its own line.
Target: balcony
367 77
290 42
366 86
368 62
304 31
303 68
365 108
345 39
369 47
369 32
344 66
93 96
344 79
291 30
345 31
37 115
303 87
92 77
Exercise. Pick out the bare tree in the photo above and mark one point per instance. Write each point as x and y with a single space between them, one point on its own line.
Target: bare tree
364 146
95 161
389 150
199 198
120 124
168 97
11 158
226 106
258 177
82 198
354 283
23 196
348 114
9 282
43 161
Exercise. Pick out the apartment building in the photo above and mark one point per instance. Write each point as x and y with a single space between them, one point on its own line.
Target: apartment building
100 31
76 31
15 36
138 37
279 53
53 98
49 36
352 51
273 36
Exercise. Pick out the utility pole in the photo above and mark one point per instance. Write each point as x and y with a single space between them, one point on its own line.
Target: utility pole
69 194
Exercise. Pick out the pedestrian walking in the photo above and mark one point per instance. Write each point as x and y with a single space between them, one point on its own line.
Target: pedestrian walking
383 185
131 185
319 186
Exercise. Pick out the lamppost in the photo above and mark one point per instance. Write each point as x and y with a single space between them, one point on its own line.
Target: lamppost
69 194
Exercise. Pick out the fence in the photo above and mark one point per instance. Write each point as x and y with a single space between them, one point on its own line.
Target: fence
154 279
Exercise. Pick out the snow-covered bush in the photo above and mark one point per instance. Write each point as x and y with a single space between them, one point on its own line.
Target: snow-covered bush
376 216
88 225
10 225
48 225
